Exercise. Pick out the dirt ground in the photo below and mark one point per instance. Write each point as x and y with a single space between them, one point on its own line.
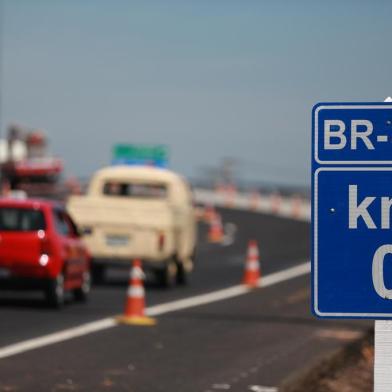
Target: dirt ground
348 370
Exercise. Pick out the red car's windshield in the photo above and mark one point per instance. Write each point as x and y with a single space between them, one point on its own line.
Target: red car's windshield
21 219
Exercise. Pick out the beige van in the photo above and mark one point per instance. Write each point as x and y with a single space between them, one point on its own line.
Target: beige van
138 212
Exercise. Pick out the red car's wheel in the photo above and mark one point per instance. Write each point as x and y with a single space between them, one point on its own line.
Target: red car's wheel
55 293
81 294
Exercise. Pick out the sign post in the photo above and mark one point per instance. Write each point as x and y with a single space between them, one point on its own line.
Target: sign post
351 220
383 356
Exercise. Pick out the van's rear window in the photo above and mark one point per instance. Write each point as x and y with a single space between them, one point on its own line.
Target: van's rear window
21 219
135 190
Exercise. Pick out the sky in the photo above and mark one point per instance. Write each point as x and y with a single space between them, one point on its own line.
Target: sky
208 78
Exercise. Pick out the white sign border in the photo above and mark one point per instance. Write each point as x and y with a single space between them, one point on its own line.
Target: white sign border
315 246
343 107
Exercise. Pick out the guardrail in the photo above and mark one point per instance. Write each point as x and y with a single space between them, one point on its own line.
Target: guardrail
293 207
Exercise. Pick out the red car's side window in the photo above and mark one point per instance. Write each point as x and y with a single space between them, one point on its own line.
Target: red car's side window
64 224
61 224
72 226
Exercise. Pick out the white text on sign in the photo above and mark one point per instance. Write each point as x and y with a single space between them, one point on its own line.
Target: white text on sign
358 210
339 135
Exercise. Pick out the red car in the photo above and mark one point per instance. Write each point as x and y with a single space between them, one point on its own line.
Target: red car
40 248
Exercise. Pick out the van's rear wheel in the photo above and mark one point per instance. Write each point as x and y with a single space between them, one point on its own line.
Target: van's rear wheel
167 276
183 274
55 292
98 273
185 268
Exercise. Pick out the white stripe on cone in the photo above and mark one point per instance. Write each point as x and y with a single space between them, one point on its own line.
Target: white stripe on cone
136 292
253 252
137 273
252 265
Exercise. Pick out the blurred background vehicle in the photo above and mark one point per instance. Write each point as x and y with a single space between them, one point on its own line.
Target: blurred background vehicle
40 249
26 164
138 212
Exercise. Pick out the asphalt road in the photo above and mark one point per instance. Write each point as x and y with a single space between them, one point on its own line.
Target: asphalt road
239 344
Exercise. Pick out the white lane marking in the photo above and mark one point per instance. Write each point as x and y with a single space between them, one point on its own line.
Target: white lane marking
203 299
224 387
198 300
57 337
287 274
259 388
230 292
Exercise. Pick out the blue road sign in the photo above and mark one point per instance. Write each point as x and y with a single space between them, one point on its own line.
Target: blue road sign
351 218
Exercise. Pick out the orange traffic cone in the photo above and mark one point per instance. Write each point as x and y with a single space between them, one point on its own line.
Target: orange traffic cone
252 266
134 305
215 233
209 213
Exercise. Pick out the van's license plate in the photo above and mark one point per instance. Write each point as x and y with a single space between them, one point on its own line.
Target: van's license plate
116 240
4 272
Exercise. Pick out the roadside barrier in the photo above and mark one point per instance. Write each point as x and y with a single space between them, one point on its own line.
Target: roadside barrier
293 207
296 207
215 233
255 201
252 271
230 196
134 313
276 202
219 188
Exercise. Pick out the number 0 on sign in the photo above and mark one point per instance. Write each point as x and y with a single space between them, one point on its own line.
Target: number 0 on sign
352 206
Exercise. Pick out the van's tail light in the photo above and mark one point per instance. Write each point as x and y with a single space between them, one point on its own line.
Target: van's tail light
161 241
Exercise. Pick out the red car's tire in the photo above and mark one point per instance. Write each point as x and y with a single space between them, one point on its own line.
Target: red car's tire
55 292
81 294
